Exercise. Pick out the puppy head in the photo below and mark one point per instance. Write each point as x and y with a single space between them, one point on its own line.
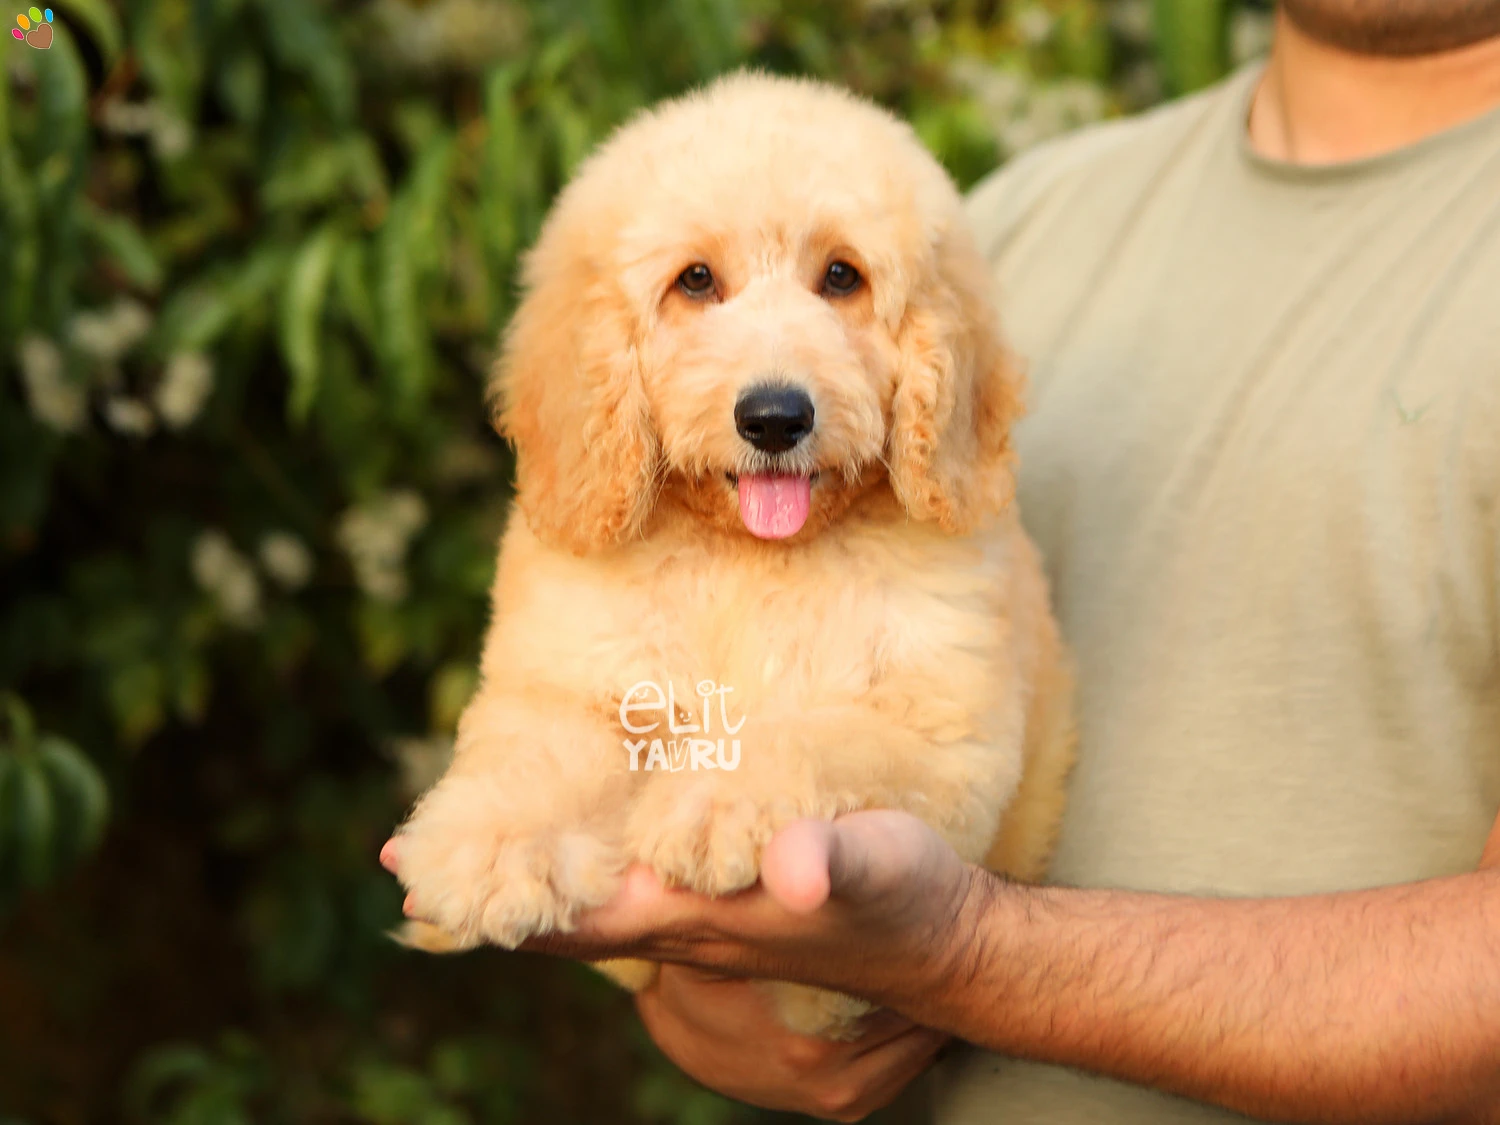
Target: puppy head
760 301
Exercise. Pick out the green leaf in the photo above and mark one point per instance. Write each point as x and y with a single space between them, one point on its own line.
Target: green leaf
19 235
383 637
506 187
120 240
80 795
36 821
169 53
302 41
1192 42
203 310
58 156
136 692
572 130
449 693
242 86
302 315
98 19
410 248
1083 41
20 728
10 829
351 287
317 173
62 107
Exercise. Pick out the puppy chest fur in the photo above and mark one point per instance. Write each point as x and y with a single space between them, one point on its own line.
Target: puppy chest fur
864 669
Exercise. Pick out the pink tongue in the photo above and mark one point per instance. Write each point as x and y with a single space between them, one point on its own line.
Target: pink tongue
774 507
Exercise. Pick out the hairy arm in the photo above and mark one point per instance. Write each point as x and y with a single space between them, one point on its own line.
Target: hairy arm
1374 1006
1368 1006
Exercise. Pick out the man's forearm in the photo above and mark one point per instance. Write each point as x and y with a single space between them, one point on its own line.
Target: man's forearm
1367 1006
1380 1005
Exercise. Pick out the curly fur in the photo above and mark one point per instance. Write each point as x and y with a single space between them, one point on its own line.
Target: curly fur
898 651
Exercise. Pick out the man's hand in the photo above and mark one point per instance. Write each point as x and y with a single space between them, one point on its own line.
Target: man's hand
869 905
863 905
721 1032
1371 1006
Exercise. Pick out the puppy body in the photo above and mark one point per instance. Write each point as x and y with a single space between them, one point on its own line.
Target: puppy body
895 650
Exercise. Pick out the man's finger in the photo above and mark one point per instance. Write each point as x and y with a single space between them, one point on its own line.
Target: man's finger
879 1028
645 918
884 1072
795 866
810 861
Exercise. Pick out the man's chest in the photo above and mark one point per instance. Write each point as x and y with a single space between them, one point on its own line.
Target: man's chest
1271 432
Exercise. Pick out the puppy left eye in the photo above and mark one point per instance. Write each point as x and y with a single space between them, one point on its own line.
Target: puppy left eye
841 279
697 281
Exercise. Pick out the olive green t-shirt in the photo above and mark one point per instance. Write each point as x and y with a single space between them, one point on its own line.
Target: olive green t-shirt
1263 464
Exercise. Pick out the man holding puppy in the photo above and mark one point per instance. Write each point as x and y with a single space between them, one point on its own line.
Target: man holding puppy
1264 465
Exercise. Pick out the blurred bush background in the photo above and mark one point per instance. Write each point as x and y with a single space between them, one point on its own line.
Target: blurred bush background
254 255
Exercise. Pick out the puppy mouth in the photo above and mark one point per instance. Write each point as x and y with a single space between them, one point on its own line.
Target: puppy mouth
773 505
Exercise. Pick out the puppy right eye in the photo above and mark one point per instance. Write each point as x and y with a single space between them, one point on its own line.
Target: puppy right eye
697 281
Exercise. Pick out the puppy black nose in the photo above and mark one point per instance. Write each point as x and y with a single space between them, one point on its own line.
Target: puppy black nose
773 419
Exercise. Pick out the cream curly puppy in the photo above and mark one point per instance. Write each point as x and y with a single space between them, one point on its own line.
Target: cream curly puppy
767 564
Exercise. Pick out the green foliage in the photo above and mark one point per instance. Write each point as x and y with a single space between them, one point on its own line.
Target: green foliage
254 255
184 1084
1192 42
53 804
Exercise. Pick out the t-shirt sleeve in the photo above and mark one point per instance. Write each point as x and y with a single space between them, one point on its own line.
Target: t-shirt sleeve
1002 203
998 204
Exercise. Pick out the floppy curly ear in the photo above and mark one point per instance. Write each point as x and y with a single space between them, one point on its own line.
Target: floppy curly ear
958 392
572 402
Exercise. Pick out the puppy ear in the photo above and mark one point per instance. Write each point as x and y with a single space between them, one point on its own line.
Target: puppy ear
958 392
572 402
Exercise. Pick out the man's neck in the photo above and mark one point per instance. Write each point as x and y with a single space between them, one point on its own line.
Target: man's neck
1319 104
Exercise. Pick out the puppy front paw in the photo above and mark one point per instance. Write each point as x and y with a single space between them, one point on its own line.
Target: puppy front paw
705 837
475 879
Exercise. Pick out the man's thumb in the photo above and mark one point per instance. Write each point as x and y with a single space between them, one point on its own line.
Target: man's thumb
795 866
810 861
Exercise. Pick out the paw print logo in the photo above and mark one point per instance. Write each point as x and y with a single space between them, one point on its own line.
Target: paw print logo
39 36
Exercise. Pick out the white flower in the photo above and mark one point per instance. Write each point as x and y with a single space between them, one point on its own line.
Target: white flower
1078 101
375 536
1023 112
54 399
1132 20
212 558
1050 111
185 386
447 35
127 119
107 334
1001 93
170 135
1034 25
286 559
226 574
129 416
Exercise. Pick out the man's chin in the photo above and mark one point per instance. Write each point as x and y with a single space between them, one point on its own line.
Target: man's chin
1396 28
